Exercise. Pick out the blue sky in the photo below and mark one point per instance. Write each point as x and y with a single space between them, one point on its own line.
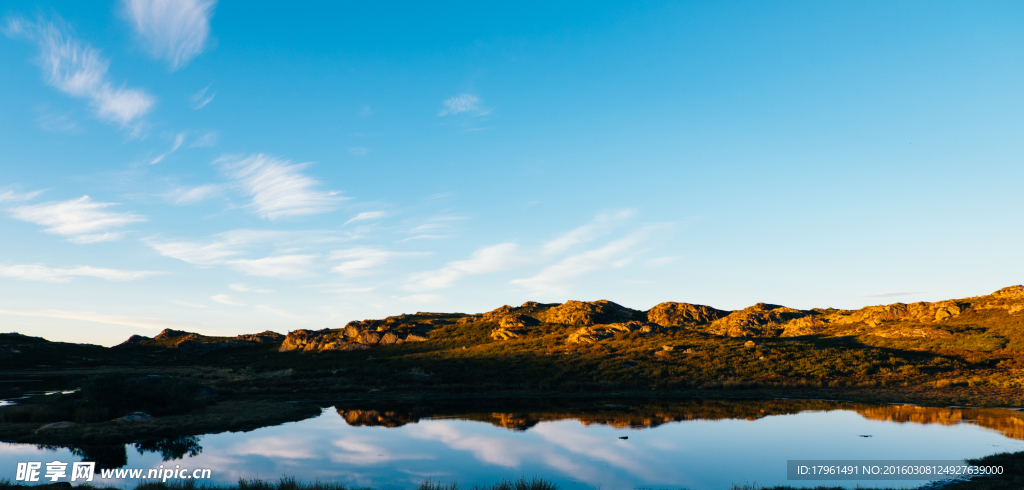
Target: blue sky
234 167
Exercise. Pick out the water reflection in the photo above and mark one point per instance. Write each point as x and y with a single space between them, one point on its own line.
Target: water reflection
1009 422
108 456
693 443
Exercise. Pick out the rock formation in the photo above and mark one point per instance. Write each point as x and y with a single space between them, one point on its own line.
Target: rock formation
590 313
358 335
761 319
597 333
188 345
670 314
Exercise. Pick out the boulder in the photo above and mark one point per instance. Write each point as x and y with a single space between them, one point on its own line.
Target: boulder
670 314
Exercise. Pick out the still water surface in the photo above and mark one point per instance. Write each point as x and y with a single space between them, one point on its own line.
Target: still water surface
696 444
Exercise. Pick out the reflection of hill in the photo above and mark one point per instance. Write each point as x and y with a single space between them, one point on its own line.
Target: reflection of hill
645 415
1009 422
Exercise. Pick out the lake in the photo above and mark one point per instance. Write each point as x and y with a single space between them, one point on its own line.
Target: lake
697 444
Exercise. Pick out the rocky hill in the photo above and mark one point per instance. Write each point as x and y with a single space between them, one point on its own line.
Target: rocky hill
602 319
188 344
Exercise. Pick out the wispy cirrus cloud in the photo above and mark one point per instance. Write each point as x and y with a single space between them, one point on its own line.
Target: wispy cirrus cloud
79 70
494 258
36 272
283 266
190 195
81 220
615 254
463 104
601 225
196 253
178 140
175 30
245 288
276 311
358 261
227 249
200 98
278 187
226 300
88 316
367 216
893 294
14 196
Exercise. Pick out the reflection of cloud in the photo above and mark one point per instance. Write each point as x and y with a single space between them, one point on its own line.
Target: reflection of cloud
275 448
359 452
494 450
620 455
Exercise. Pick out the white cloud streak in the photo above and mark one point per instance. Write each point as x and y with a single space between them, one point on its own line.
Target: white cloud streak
493 258
200 99
88 316
284 266
12 196
276 312
615 254
206 140
358 261
178 140
81 220
78 70
226 300
175 30
367 215
601 225
196 253
225 248
464 103
278 188
189 195
245 288
35 272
